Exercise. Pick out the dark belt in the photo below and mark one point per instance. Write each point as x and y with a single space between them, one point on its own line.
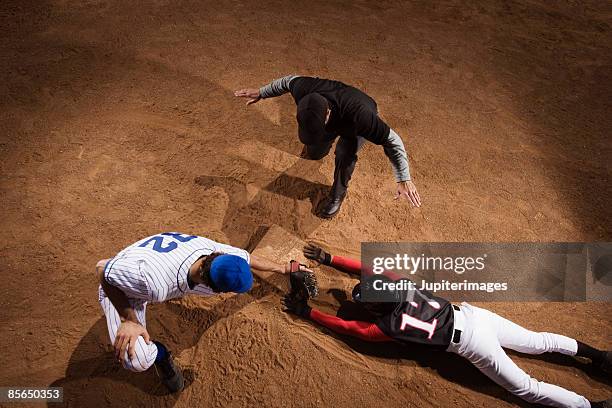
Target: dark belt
456 333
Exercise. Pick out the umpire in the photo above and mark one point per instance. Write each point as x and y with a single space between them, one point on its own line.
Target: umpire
327 109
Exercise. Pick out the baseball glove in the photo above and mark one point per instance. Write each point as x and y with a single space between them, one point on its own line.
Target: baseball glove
303 283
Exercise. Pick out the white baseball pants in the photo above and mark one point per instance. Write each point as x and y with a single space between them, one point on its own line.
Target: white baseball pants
144 353
484 334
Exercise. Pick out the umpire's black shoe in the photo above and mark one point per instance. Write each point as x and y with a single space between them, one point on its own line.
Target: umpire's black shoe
331 207
170 374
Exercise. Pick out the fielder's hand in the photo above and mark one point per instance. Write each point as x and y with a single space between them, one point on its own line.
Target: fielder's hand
127 336
301 268
296 305
252 95
407 190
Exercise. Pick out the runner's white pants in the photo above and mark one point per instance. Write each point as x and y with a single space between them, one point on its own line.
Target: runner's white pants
484 334
144 353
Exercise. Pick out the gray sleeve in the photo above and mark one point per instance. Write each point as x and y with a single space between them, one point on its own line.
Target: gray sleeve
395 151
277 87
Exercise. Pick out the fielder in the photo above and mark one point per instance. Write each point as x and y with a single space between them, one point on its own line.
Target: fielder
480 336
326 109
162 267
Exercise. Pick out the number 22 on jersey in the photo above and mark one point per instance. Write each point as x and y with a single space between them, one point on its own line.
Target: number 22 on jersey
158 241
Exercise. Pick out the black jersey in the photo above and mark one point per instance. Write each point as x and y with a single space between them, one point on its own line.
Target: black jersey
421 318
353 112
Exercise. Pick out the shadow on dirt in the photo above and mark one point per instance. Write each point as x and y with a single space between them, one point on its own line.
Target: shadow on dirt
276 203
570 362
94 378
284 198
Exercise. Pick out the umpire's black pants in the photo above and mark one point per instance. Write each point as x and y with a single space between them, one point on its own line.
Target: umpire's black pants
346 158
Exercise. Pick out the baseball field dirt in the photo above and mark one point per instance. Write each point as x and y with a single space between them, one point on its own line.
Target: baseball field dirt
118 121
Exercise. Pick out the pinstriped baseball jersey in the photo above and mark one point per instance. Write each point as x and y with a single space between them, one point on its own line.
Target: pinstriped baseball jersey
155 268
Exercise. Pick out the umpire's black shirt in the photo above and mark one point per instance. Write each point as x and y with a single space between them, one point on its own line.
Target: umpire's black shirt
353 112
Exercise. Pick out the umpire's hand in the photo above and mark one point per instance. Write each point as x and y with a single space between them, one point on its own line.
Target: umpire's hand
407 190
252 95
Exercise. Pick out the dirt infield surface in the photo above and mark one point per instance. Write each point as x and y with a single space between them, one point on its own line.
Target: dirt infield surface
118 121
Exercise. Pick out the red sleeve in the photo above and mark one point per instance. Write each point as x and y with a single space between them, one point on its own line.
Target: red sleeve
363 330
347 265
353 266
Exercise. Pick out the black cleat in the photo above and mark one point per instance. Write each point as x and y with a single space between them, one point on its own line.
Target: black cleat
170 374
606 364
331 207
602 404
